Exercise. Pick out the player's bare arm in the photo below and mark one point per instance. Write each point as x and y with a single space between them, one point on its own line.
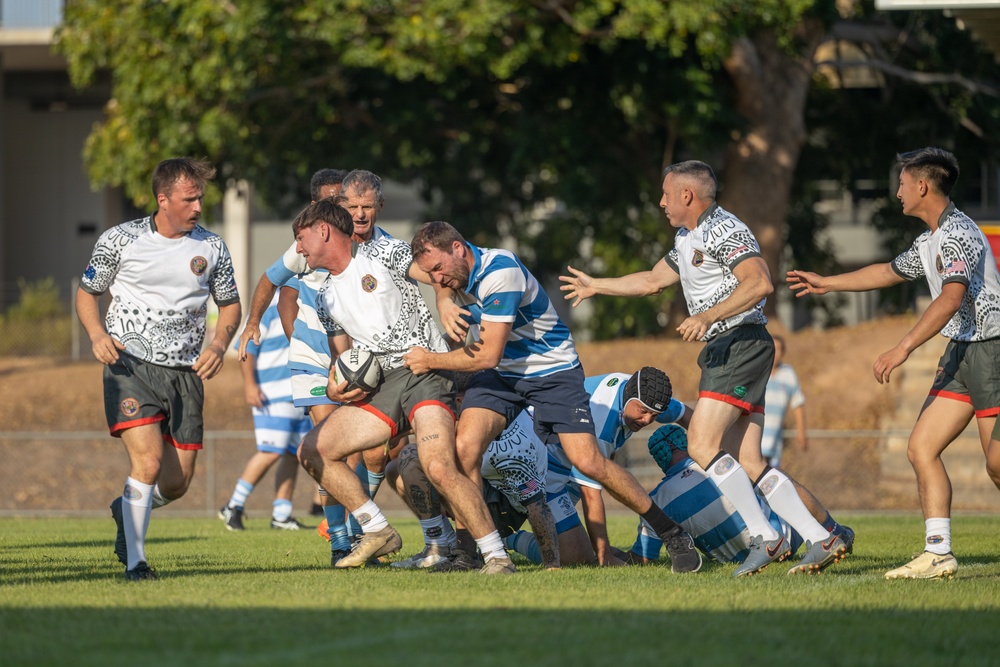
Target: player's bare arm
261 299
580 286
873 276
941 309
449 312
251 390
481 355
288 309
88 309
211 358
595 516
755 284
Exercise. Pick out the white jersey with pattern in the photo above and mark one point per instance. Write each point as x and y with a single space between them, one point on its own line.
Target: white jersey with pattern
705 258
958 252
375 302
516 462
160 288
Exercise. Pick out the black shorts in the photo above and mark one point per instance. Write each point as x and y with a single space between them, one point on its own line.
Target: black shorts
137 393
560 403
735 367
970 372
401 393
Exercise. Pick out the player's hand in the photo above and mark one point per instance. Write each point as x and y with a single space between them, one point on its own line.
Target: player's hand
254 396
887 362
609 559
805 282
105 349
250 332
209 362
338 393
695 327
579 286
417 359
451 315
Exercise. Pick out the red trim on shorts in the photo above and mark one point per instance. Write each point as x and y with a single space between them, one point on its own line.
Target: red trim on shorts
941 393
422 404
117 429
988 412
393 427
743 405
169 440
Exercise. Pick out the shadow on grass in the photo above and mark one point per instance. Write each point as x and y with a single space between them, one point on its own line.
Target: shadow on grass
189 636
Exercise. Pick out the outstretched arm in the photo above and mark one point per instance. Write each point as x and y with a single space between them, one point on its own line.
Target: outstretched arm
871 277
261 299
580 286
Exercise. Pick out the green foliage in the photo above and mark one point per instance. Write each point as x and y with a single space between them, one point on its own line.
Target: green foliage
38 323
62 574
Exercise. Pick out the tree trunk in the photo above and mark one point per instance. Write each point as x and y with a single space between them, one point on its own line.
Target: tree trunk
771 87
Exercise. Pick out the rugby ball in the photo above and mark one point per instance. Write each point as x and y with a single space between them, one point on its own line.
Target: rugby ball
360 369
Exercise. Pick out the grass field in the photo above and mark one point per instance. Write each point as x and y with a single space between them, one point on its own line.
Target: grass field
268 597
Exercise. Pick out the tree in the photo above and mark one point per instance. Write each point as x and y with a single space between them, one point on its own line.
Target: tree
545 120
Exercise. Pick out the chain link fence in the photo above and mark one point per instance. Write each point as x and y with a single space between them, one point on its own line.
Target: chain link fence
70 472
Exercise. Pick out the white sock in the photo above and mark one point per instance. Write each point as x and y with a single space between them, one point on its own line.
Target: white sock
780 494
491 546
137 505
735 485
240 494
370 517
281 509
938 536
434 530
158 499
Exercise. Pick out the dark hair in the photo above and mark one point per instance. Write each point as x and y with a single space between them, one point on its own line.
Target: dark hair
330 211
169 172
701 173
364 181
436 234
935 165
324 177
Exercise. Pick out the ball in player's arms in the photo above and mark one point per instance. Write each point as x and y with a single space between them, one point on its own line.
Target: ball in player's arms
360 369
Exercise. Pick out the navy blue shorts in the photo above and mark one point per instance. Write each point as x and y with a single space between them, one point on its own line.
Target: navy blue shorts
559 401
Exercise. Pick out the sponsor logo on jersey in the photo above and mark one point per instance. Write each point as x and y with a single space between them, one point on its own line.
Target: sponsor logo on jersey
738 251
130 407
938 264
687 473
318 391
740 391
698 259
369 283
724 465
131 493
612 382
89 272
768 484
198 265
935 539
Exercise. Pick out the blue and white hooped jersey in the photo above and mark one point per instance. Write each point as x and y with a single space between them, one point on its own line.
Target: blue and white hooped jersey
606 405
689 496
271 370
783 394
504 291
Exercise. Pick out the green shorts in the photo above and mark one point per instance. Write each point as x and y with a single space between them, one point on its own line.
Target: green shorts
402 392
137 393
970 372
735 366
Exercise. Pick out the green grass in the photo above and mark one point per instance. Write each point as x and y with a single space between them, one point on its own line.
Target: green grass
268 597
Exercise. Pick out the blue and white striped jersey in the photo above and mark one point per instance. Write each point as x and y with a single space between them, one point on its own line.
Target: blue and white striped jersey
504 291
271 370
689 496
783 393
606 404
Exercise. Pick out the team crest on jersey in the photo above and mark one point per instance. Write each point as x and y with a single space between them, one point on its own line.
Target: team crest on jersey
198 265
612 382
698 259
938 264
130 407
369 283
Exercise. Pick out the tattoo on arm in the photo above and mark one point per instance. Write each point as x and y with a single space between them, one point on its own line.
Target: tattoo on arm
543 524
